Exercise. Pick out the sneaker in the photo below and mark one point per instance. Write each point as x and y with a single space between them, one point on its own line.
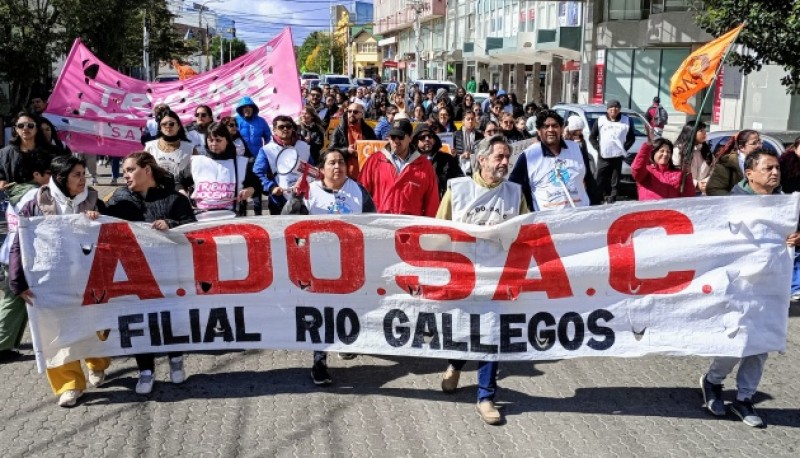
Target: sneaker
176 373
450 379
96 378
489 413
69 398
145 383
347 356
320 375
712 396
745 411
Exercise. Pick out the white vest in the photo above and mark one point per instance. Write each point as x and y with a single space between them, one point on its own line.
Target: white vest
215 186
272 151
347 201
612 136
546 187
173 162
474 204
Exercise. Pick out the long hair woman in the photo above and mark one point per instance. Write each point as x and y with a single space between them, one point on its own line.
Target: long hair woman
702 158
149 195
65 194
171 149
729 166
27 137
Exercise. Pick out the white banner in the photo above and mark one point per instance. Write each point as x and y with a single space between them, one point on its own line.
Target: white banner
695 276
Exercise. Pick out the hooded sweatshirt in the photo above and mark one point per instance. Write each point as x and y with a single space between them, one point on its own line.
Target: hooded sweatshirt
254 131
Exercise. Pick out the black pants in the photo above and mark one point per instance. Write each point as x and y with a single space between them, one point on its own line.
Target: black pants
147 362
608 173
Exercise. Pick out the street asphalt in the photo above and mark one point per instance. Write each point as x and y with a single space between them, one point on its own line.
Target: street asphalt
263 403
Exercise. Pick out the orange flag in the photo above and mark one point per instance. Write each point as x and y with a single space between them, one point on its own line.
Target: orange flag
699 70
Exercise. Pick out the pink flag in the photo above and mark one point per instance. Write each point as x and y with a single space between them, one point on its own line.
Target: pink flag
101 111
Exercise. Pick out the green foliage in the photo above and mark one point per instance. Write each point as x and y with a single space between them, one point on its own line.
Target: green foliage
314 54
235 46
772 33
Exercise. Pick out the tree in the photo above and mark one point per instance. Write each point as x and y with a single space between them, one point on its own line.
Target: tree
771 36
27 47
319 43
235 46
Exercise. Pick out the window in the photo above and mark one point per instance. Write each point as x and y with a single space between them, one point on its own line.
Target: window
666 6
367 47
627 10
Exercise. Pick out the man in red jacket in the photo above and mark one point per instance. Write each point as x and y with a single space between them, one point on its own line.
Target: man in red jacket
401 181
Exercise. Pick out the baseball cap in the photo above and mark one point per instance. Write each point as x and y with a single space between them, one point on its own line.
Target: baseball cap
575 123
401 127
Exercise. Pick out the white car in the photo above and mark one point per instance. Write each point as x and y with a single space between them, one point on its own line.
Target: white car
589 114
426 85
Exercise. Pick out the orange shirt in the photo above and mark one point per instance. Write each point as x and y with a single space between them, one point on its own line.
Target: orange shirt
354 133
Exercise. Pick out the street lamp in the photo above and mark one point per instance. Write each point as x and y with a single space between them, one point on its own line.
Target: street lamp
200 26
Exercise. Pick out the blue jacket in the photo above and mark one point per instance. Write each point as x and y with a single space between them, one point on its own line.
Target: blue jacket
253 130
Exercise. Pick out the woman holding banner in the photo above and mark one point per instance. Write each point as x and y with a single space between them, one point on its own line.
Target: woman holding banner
65 194
335 194
220 178
150 196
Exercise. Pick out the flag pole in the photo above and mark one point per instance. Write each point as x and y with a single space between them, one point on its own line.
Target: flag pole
687 153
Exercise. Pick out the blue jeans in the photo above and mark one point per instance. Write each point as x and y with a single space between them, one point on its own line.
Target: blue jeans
796 272
487 377
115 160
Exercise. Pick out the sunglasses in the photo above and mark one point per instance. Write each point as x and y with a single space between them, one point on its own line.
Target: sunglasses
169 124
29 125
201 115
283 127
354 111
425 137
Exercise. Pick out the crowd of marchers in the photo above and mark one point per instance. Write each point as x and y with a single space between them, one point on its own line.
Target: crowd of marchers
220 167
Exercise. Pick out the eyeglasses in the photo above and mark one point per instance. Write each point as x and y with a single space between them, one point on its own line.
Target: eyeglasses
168 124
201 115
354 111
284 127
24 125
425 137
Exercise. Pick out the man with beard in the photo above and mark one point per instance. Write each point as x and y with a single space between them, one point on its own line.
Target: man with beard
352 128
484 199
552 172
429 145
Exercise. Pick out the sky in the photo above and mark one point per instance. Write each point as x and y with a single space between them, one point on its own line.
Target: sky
257 21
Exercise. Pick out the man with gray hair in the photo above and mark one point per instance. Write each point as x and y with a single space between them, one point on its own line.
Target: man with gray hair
484 199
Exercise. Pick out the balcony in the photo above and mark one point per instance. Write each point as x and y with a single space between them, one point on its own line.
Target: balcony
403 17
562 38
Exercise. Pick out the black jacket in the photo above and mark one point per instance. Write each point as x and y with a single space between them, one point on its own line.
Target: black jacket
161 202
339 137
12 165
315 137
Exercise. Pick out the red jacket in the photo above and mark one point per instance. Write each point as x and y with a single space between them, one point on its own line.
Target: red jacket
656 182
415 191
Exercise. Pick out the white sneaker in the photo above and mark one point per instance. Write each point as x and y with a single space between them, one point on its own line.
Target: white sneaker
96 378
176 373
69 398
145 383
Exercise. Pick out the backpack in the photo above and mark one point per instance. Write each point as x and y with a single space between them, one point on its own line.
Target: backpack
657 116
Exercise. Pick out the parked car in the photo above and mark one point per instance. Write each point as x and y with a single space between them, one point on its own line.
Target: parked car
479 97
365 82
426 85
719 138
166 78
307 76
589 114
311 83
340 81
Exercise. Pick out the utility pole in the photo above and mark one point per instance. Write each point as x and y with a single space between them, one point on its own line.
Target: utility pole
145 44
330 44
417 6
